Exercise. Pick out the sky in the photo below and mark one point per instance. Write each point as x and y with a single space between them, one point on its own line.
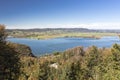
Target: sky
92 14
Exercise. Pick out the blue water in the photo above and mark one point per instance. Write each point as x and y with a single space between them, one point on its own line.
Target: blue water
60 44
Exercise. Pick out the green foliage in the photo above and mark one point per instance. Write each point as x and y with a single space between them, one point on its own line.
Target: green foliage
9 60
2 34
74 64
56 53
44 71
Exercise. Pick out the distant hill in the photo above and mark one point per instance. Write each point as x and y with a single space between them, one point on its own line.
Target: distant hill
52 29
65 30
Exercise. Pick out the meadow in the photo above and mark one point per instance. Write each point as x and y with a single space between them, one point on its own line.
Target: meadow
59 33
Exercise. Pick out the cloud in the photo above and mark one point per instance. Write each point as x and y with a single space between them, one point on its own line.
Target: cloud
89 26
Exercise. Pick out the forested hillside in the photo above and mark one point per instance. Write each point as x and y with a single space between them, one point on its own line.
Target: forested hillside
74 64
9 60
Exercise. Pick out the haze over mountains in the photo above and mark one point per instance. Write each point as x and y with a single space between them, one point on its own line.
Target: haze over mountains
66 30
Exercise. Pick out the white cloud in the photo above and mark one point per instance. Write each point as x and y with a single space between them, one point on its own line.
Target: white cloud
89 26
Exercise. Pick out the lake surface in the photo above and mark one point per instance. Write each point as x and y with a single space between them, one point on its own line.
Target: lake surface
40 47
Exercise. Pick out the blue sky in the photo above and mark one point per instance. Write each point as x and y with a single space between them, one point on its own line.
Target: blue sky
93 14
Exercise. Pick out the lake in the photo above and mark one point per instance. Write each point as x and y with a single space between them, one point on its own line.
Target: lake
40 47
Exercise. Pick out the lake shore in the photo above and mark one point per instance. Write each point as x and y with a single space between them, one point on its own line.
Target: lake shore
47 46
72 35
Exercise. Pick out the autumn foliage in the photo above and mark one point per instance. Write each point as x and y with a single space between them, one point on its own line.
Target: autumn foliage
9 60
74 64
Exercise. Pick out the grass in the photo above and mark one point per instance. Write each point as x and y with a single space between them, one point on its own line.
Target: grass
96 35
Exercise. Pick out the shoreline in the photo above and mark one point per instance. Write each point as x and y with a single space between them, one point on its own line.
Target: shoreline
64 37
38 36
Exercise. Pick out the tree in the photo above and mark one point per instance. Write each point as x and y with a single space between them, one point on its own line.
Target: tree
71 73
2 34
9 60
93 59
44 71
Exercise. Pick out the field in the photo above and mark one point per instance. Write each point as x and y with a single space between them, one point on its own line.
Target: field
84 35
57 34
